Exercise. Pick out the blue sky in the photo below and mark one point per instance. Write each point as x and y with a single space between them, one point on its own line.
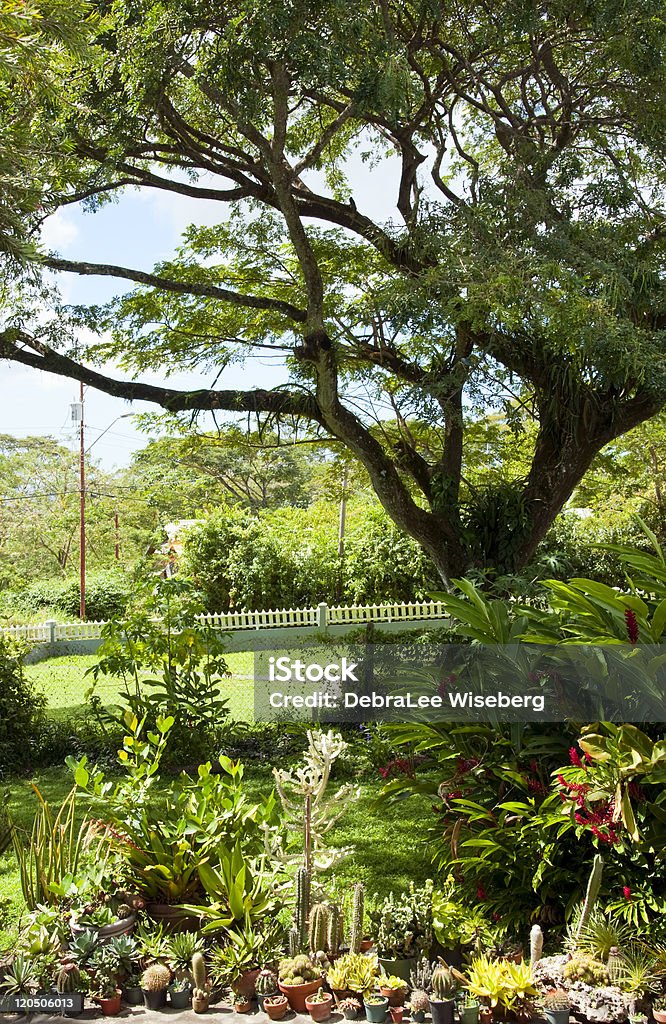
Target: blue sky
139 230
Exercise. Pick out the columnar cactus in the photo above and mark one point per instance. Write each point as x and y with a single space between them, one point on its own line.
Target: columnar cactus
294 946
593 886
302 905
356 934
616 965
320 916
334 928
199 975
536 944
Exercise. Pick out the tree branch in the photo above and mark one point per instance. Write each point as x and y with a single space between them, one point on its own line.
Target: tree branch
180 287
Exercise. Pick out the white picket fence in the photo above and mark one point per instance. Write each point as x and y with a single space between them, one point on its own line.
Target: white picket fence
322 616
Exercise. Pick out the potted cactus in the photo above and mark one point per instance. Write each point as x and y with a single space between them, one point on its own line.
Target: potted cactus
299 978
201 990
402 928
419 1004
180 993
350 1008
444 987
319 1005
132 991
265 985
276 1006
468 1008
556 1006
375 1008
104 990
154 984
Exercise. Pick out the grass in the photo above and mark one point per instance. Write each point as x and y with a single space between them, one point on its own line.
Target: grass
64 682
387 853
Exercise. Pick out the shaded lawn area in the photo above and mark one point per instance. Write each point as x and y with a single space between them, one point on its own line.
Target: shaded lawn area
64 682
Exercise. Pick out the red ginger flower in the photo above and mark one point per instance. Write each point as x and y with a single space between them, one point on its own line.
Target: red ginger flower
626 892
632 625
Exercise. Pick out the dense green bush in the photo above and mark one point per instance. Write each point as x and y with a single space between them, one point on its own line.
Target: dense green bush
21 712
289 557
107 594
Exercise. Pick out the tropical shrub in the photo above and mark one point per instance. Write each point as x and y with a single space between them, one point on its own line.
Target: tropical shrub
22 715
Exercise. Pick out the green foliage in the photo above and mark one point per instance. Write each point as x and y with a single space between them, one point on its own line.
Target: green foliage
107 595
402 925
21 712
162 634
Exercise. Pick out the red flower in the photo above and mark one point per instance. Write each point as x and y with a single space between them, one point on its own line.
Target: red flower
574 757
481 893
626 892
632 625
496 916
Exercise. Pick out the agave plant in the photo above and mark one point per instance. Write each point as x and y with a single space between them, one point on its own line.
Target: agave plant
179 950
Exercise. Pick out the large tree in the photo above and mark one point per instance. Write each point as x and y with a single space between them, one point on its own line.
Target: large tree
520 265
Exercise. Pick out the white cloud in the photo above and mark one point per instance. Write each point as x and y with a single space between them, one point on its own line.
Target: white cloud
59 231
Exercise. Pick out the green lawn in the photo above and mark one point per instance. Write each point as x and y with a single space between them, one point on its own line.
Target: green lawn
64 682
388 853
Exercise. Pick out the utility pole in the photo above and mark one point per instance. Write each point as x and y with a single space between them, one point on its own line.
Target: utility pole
82 538
117 537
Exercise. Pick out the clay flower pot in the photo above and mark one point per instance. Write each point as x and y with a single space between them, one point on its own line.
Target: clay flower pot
297 994
396 1013
110 1007
395 996
276 1006
241 1004
659 1016
320 1010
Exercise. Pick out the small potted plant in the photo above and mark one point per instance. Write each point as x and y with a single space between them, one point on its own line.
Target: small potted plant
556 1006
350 1008
319 1005
468 1008
444 987
396 1013
276 1006
402 928
201 990
375 1008
180 993
419 1004
266 985
154 984
659 1010
132 991
242 1003
299 978
104 990
394 988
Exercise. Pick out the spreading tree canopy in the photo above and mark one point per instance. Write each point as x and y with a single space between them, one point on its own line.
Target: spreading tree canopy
519 267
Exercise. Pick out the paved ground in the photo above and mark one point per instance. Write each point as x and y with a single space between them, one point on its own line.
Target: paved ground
141 1015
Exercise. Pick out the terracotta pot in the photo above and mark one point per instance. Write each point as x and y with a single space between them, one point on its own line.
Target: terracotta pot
395 996
320 1011
200 1004
396 1013
110 1007
276 1011
242 1005
366 945
659 1016
297 994
247 985
485 1014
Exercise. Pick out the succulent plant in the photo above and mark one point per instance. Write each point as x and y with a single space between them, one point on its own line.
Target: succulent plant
298 970
419 1001
124 911
615 964
444 983
266 983
585 968
303 886
536 944
68 978
555 1000
200 976
358 904
155 978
